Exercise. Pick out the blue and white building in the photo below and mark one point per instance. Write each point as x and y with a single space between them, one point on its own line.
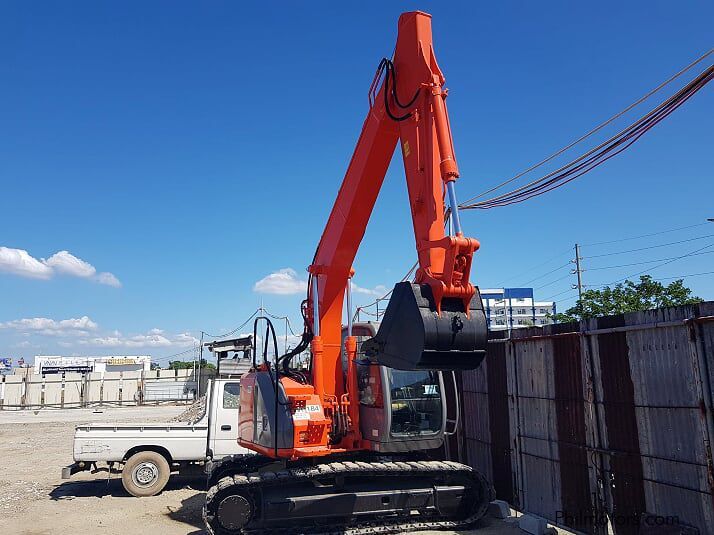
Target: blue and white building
514 308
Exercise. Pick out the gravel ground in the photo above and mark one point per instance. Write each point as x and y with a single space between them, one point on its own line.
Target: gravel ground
34 500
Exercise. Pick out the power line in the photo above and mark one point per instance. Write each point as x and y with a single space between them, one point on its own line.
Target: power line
234 330
547 273
643 262
600 154
376 301
684 276
650 247
644 235
552 282
594 130
559 293
538 265
692 253
167 357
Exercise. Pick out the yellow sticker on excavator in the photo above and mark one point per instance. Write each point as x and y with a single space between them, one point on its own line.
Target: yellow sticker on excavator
405 148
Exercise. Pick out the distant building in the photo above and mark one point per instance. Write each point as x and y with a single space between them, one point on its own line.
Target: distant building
53 364
515 308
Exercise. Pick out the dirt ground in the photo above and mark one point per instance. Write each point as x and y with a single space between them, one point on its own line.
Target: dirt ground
34 500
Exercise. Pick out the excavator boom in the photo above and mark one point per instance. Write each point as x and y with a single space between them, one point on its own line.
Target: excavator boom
446 326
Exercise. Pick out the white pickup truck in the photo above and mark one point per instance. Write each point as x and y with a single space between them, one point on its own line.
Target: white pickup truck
149 452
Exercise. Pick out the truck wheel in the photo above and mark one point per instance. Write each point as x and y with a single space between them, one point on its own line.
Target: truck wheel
145 474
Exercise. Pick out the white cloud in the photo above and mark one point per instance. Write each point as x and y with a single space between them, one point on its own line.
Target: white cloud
287 282
283 282
154 338
69 327
185 339
140 340
377 291
85 332
20 262
108 278
66 263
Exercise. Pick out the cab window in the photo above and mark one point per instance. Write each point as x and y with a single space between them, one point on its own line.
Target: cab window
231 395
416 402
369 382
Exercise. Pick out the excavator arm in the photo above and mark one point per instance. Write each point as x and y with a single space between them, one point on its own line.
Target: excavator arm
437 312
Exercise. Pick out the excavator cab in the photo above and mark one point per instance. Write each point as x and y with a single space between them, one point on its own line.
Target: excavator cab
414 336
399 410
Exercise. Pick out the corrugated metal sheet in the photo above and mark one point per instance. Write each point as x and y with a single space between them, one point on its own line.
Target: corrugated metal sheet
476 426
537 433
608 421
625 472
577 507
499 422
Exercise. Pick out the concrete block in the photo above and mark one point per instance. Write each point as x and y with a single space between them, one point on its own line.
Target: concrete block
129 390
533 524
72 389
12 392
499 509
110 389
53 391
33 392
93 388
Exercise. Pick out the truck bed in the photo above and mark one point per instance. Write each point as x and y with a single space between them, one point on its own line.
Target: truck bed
110 442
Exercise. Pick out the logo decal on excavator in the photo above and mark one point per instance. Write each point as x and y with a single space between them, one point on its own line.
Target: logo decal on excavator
405 148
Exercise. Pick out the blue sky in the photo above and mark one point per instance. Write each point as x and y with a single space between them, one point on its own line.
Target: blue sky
192 149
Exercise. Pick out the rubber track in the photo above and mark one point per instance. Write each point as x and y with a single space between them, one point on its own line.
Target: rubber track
251 481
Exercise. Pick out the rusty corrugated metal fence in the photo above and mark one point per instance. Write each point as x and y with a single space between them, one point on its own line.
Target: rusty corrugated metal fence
606 424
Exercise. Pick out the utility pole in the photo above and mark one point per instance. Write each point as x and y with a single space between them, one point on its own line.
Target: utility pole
195 354
579 272
200 361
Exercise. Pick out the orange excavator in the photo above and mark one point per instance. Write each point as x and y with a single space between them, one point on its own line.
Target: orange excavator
349 444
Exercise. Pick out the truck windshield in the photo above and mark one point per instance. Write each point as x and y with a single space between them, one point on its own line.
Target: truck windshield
416 402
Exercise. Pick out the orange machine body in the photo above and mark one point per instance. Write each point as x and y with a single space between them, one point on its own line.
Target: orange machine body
423 132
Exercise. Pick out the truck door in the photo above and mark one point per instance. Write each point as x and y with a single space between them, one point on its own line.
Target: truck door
224 427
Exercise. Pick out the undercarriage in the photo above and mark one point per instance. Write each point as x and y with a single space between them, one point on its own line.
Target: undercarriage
357 497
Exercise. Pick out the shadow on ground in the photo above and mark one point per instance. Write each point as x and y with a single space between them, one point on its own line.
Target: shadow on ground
98 488
190 513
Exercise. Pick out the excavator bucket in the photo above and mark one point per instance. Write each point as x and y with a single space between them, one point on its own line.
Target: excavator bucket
412 336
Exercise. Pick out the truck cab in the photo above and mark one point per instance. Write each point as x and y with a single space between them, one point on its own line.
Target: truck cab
222 418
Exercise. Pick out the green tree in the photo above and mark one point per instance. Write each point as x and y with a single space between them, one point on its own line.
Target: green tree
189 364
628 296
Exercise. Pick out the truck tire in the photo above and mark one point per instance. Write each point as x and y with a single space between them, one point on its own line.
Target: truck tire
145 474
